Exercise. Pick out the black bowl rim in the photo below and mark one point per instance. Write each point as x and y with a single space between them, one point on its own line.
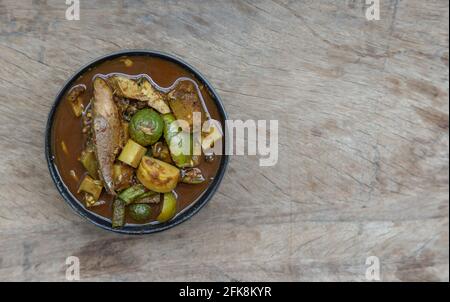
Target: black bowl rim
76 205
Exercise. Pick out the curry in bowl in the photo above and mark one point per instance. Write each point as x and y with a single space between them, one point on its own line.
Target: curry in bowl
119 147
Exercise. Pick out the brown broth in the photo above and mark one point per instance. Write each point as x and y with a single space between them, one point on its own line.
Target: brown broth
68 129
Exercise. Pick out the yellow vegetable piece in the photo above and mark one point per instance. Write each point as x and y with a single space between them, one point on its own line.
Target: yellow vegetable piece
132 153
123 176
91 186
74 175
127 62
77 106
169 207
75 99
64 148
91 202
157 175
89 162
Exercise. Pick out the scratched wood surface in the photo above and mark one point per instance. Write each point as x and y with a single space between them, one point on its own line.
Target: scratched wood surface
363 140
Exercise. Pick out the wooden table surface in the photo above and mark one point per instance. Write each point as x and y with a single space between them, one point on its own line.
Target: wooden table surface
363 165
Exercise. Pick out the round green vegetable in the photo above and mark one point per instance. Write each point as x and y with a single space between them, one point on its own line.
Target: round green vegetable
146 127
139 212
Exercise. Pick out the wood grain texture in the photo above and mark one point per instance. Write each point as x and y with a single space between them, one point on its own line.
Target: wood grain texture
364 140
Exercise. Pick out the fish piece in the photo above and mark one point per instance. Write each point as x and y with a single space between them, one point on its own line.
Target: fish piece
139 89
184 101
106 130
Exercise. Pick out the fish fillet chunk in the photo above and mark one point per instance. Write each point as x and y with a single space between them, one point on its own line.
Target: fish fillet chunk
106 130
139 89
